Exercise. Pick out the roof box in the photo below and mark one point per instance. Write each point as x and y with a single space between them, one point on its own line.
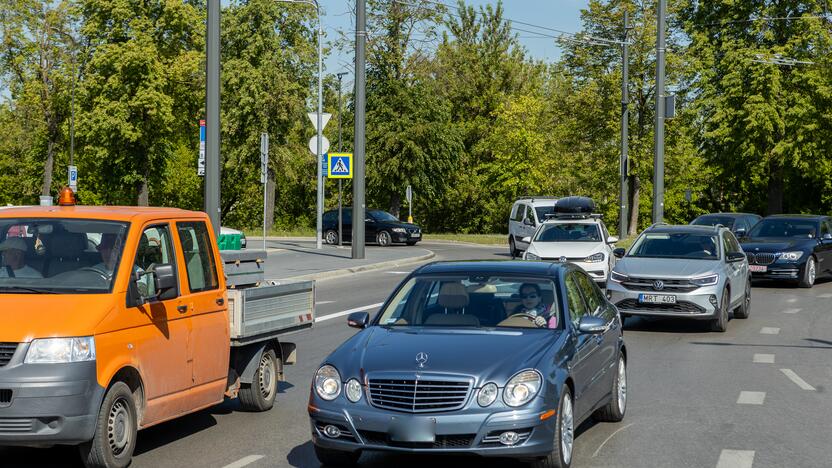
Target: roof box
574 207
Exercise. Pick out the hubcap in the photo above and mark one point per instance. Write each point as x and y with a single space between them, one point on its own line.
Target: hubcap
566 434
622 385
267 376
118 427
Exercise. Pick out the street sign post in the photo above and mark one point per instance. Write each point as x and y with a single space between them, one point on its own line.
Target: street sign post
200 166
409 196
320 146
73 178
264 178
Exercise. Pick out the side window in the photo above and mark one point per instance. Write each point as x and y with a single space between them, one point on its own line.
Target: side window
516 210
733 244
155 248
577 306
726 248
199 256
825 228
330 217
346 216
589 291
530 215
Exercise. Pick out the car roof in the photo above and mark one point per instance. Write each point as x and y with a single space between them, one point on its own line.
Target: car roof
683 228
492 267
728 215
113 213
566 220
541 201
797 216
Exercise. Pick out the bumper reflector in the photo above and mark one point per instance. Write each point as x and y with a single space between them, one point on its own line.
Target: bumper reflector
547 415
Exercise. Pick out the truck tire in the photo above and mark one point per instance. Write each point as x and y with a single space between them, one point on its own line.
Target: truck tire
114 440
260 394
329 457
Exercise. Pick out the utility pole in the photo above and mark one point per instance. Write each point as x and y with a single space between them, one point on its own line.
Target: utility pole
320 147
212 116
358 204
625 100
340 150
658 159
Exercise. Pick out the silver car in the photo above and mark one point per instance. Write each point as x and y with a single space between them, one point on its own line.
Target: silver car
698 272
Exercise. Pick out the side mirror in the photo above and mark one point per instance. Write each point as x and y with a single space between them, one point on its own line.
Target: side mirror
526 240
619 252
826 237
358 320
369 220
612 240
528 222
733 257
591 325
740 232
156 283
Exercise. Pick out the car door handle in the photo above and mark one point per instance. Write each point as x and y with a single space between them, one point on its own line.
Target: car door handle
220 301
182 309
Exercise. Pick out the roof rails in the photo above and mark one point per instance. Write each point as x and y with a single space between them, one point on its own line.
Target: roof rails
660 223
573 216
537 197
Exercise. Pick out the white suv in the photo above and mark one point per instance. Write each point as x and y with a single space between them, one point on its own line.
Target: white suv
579 239
526 215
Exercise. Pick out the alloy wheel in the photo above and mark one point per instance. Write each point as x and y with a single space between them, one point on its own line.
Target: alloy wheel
383 238
622 385
567 435
331 238
812 271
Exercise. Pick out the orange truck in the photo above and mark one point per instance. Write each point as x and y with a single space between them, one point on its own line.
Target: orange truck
119 318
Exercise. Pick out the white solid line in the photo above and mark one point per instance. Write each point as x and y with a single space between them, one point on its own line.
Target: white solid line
764 358
347 312
797 380
770 331
735 459
791 311
751 398
244 461
608 439
324 302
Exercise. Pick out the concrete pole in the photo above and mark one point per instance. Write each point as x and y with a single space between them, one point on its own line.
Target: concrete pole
624 196
320 211
340 149
358 203
658 160
212 116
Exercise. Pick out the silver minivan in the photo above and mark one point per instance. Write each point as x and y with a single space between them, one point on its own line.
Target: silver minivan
527 214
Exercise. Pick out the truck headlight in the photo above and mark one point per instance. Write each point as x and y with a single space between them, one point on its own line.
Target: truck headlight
60 350
328 382
595 258
618 277
522 388
791 256
709 280
353 390
530 256
487 394
399 230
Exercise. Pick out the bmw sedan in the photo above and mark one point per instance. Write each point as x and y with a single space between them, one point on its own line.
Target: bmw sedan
497 359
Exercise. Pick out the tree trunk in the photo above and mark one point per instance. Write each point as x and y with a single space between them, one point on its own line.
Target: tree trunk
48 168
635 189
775 188
395 204
142 199
270 201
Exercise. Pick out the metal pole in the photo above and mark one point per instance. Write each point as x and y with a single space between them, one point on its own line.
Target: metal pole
658 161
320 130
212 116
360 98
625 70
340 149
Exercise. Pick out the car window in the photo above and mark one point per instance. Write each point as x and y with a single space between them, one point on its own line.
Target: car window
529 215
199 256
568 232
825 228
577 306
517 212
590 293
785 227
155 248
331 217
542 211
347 216
733 243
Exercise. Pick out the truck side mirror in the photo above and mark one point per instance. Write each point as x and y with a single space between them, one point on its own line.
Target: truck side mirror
158 282
358 320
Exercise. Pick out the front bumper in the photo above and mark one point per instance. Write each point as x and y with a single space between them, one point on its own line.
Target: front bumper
598 271
696 304
781 271
402 237
48 404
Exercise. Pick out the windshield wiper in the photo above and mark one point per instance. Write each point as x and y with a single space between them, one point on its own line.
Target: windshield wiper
15 289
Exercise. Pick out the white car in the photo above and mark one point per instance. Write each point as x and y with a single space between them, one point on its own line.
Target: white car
527 214
579 239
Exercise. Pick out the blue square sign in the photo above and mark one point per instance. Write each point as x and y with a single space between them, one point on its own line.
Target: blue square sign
340 166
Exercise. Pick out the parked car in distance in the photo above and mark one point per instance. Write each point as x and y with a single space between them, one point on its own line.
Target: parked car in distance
738 223
526 215
380 227
697 272
790 247
498 359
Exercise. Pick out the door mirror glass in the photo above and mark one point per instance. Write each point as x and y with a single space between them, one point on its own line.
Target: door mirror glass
827 237
619 252
155 283
592 325
528 222
612 240
358 320
735 257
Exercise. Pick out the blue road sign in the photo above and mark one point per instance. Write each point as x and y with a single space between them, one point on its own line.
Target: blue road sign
340 166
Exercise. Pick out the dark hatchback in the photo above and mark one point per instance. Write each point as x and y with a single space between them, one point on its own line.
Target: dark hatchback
497 359
380 227
790 247
738 223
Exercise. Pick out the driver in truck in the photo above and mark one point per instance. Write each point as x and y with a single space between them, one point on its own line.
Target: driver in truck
105 249
14 260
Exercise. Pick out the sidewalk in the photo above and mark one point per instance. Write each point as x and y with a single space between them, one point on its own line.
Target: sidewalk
298 259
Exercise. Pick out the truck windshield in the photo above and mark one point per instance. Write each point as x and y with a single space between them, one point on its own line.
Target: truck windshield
59 256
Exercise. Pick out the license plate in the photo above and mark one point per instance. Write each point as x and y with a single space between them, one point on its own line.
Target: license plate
415 235
656 299
413 430
758 268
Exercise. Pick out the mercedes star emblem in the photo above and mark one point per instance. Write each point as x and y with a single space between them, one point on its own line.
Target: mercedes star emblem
421 359
658 285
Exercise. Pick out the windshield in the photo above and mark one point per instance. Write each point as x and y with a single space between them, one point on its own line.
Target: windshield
676 245
473 302
800 228
379 215
569 233
542 211
713 221
68 256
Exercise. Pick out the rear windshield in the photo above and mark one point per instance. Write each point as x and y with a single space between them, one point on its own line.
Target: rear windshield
676 245
800 228
542 211
63 256
713 221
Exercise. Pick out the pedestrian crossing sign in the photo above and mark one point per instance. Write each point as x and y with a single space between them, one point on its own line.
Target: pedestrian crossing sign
340 166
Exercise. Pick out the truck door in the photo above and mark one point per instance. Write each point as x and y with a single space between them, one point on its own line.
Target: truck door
206 307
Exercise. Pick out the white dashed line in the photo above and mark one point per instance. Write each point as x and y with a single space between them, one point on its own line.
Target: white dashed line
791 311
735 459
347 312
825 296
769 331
324 302
397 272
791 299
764 358
751 398
797 380
244 461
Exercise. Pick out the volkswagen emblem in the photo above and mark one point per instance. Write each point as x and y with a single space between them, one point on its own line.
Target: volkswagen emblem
658 285
563 259
421 359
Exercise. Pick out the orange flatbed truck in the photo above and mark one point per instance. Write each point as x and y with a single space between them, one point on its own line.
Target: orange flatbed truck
119 318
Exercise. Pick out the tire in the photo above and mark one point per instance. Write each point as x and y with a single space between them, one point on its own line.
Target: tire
744 310
615 409
261 393
512 247
331 237
329 457
411 243
561 458
807 279
720 323
114 440
383 239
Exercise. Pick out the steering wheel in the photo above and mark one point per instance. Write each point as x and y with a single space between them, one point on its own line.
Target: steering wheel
104 276
529 317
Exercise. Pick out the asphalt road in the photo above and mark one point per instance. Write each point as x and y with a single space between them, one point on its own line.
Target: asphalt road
756 395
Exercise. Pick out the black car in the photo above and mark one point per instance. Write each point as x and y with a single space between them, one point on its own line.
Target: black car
790 247
738 223
380 227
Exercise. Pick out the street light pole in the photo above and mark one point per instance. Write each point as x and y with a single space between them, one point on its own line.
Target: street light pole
340 149
624 202
358 203
212 116
658 160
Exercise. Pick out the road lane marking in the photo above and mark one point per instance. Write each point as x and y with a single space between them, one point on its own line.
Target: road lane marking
764 358
324 302
608 439
791 311
244 461
751 398
735 459
347 312
792 299
769 331
397 272
825 296
797 380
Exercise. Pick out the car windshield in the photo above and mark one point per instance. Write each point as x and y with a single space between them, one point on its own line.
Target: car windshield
473 302
676 245
571 232
726 221
800 228
60 256
383 216
542 211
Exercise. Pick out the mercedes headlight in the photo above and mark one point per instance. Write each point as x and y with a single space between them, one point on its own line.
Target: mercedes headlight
353 390
531 256
791 256
595 258
709 280
487 394
522 388
400 230
328 382
618 277
60 350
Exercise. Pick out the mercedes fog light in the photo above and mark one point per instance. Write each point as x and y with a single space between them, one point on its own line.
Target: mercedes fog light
332 432
509 438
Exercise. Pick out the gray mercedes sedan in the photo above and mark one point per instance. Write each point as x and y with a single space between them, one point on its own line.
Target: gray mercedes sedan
501 359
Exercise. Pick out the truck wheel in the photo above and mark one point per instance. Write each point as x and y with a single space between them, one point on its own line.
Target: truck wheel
115 431
260 394
329 457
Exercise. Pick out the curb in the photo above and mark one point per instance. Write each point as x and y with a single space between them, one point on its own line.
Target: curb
332 274
469 244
